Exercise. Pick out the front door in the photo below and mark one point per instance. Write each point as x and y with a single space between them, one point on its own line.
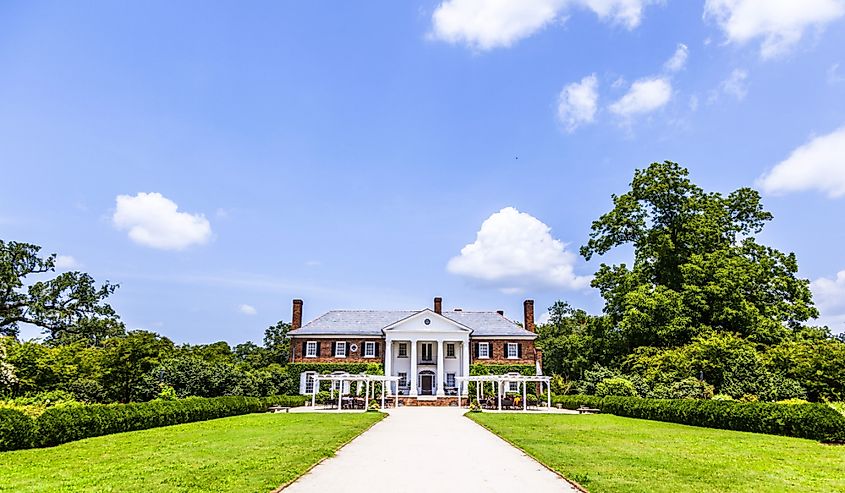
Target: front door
426 384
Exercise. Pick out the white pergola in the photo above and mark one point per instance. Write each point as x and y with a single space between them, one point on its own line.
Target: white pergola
501 381
342 378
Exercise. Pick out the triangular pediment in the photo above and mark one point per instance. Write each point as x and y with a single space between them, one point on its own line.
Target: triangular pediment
427 321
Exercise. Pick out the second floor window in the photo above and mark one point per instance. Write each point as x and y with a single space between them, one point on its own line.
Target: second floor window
369 349
340 349
513 350
403 350
450 350
426 351
483 349
311 349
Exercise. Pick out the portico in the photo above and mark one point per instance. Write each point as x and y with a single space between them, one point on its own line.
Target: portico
427 352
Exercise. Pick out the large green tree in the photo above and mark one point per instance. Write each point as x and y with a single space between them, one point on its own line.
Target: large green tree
697 267
69 307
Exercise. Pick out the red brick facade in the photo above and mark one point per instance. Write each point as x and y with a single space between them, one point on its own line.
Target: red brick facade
326 351
327 346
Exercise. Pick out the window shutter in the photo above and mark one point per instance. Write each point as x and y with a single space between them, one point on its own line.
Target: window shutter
519 350
318 347
304 348
476 350
377 349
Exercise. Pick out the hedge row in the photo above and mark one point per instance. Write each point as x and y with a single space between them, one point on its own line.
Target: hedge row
814 421
68 423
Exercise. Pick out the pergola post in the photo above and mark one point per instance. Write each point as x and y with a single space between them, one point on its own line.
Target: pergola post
549 394
524 396
382 394
339 394
314 388
499 395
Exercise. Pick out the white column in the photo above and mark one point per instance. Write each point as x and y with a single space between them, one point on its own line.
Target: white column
383 385
524 396
465 359
388 362
549 394
441 368
314 387
340 394
412 378
499 396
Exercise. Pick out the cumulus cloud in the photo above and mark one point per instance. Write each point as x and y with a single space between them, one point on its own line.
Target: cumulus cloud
830 299
514 251
577 103
66 262
678 60
153 220
779 24
487 24
817 165
247 309
644 96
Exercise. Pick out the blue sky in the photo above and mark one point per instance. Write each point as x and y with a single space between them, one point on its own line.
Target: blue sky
217 161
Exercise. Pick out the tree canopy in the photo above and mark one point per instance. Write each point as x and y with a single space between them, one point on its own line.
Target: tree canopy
69 307
697 265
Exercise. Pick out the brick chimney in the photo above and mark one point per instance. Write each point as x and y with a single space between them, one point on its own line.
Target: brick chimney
501 312
529 315
438 305
296 318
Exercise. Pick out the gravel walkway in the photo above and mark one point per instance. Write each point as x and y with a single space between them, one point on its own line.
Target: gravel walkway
434 449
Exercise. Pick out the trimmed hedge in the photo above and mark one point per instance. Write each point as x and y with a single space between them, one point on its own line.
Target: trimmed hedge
813 421
16 429
64 424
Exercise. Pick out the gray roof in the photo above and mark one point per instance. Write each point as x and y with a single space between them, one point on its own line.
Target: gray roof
371 323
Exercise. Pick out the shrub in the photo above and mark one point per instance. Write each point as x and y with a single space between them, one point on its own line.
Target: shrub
17 430
813 421
722 397
373 405
474 406
690 388
615 386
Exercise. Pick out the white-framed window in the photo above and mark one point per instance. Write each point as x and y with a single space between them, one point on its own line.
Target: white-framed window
308 388
340 349
427 352
403 379
450 379
450 349
370 349
403 350
311 349
483 349
512 349
513 386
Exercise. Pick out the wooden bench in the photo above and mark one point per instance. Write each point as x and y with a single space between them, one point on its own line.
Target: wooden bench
278 409
588 410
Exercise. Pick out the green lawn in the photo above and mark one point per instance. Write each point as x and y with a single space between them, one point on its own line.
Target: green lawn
607 453
256 452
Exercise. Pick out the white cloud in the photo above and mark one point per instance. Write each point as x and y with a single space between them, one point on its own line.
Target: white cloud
678 60
829 295
644 96
487 24
247 309
514 252
693 103
736 84
154 221
65 262
577 103
817 165
779 23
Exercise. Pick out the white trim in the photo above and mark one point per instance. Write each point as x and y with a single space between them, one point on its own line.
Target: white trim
308 374
337 345
308 346
350 335
487 348
369 349
503 338
429 313
515 346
